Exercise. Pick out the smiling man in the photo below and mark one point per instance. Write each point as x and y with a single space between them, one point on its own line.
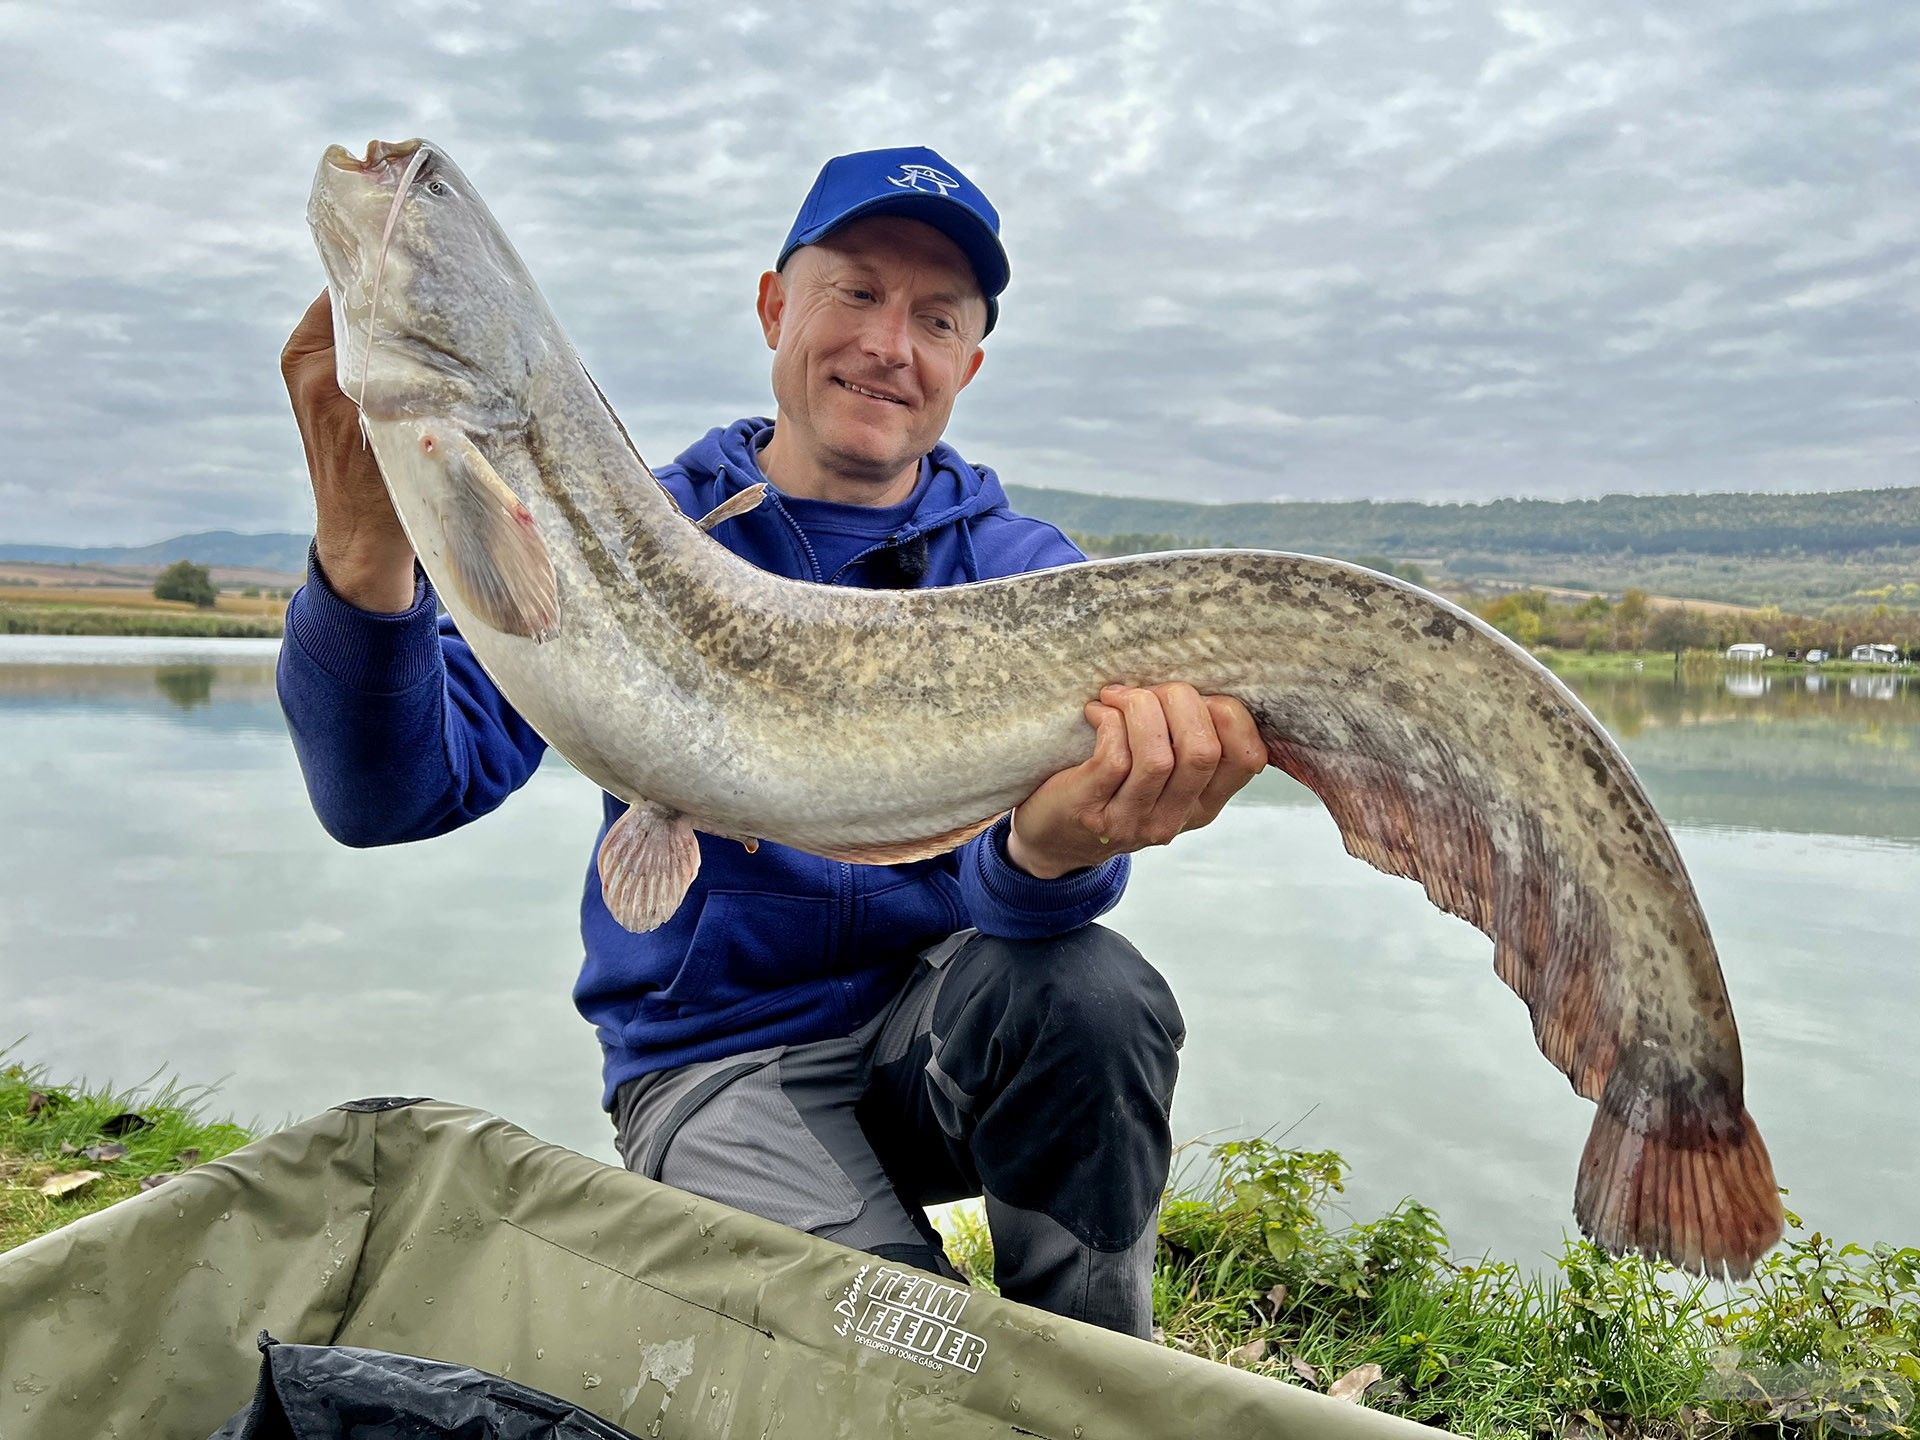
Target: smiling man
832 1046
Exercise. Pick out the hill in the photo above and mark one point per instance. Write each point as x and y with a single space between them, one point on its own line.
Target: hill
226 549
1801 552
1848 547
1844 522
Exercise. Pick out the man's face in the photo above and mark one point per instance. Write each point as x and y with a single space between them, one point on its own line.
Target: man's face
874 331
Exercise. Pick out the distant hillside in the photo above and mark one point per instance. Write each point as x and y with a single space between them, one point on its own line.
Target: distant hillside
1802 552
223 548
1837 523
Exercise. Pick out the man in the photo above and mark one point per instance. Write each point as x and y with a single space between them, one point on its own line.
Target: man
832 1046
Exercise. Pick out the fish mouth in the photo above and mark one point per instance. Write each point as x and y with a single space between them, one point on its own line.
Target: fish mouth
385 159
352 198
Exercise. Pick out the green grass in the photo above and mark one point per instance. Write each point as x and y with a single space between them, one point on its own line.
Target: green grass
1825 1338
30 619
35 1136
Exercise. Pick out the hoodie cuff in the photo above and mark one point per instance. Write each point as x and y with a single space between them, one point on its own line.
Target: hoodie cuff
362 649
1004 900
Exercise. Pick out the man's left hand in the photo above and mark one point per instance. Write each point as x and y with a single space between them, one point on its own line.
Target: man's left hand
1165 761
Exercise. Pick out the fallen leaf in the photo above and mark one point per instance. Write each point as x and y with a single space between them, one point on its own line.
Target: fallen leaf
57 1185
1250 1353
188 1156
1353 1384
125 1123
112 1150
37 1100
1305 1371
1277 1299
67 1147
154 1182
1159 1336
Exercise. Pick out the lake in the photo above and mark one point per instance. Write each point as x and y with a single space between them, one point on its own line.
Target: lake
169 905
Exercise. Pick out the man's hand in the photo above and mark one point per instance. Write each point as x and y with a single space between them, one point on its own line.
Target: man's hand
363 552
1165 761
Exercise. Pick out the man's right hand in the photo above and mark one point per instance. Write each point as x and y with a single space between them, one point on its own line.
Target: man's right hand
362 549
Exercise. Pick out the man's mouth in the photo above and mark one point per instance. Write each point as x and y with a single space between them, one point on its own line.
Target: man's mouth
870 394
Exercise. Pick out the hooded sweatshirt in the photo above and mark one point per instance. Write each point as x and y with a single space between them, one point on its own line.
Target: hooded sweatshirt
402 736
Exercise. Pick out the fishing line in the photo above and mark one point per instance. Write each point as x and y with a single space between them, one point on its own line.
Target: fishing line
379 272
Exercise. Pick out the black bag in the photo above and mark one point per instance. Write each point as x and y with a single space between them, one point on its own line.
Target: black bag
329 1392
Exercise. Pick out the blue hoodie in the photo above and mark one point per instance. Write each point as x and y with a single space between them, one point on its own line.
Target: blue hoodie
402 736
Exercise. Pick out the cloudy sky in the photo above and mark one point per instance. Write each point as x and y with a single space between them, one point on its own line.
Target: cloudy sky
1439 249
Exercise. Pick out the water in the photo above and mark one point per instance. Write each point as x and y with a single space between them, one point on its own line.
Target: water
169 904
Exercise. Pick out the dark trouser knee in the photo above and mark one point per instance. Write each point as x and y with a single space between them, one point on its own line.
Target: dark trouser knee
1058 1057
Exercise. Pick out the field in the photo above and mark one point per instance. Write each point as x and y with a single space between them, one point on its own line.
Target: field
99 600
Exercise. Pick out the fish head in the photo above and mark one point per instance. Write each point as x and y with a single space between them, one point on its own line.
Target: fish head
433 311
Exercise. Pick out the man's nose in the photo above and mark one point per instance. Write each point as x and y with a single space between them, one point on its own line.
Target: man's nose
886 336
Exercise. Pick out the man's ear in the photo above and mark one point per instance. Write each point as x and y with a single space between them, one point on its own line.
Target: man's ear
973 369
772 306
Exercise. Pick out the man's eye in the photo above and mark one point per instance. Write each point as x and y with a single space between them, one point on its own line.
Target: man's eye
941 322
860 294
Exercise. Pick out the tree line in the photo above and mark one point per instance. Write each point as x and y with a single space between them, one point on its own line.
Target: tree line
1837 523
1597 624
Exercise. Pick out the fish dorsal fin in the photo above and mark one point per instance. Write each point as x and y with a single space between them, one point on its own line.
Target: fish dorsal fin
647 861
500 565
740 504
632 449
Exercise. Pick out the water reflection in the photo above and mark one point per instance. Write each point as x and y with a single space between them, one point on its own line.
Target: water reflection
1828 755
170 904
227 688
1628 704
186 685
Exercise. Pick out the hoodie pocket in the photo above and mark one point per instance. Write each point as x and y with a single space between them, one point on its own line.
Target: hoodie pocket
749 946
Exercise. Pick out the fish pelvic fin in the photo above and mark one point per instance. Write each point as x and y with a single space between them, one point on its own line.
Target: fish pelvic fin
500 564
740 504
647 861
1675 1168
900 852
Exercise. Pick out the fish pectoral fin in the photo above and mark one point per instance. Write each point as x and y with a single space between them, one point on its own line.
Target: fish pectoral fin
647 861
900 852
740 504
500 564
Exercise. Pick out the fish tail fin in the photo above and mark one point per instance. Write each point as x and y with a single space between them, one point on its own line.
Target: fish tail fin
1677 1168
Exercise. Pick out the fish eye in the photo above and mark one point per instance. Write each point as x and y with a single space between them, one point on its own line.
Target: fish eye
438 187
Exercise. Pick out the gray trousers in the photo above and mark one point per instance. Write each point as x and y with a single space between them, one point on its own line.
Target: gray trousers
1036 1074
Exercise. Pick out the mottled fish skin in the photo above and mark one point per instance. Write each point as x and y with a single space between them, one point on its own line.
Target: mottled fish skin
883 725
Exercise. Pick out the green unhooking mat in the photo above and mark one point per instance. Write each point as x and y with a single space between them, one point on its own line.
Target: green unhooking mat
438 1231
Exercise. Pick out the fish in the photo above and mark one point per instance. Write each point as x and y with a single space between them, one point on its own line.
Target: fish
885 726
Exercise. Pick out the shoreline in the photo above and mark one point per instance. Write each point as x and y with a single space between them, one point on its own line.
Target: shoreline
1259 1269
1655 662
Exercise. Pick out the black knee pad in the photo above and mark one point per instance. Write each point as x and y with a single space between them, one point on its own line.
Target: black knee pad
1089 983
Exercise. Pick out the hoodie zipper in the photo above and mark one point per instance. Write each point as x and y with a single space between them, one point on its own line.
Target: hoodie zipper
842 871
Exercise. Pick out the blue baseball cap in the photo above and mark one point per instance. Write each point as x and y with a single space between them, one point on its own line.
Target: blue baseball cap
915 182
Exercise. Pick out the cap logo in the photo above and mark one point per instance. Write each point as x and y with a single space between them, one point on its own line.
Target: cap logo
924 178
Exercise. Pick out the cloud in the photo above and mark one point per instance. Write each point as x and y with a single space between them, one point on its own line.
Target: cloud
1391 248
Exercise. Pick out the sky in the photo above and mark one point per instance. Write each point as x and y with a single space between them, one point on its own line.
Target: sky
1390 249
